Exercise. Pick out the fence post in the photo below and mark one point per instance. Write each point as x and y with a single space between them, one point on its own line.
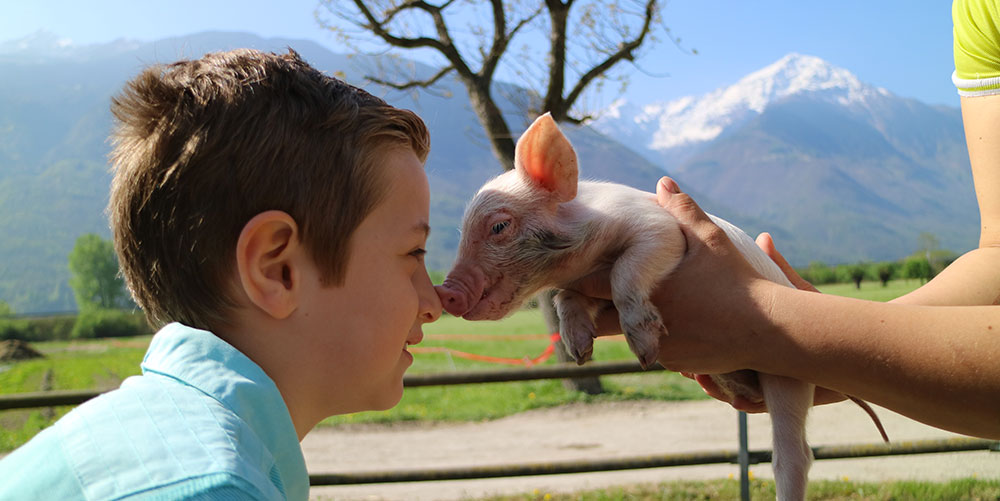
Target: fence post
744 457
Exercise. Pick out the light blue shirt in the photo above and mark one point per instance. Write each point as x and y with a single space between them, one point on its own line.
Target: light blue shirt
203 421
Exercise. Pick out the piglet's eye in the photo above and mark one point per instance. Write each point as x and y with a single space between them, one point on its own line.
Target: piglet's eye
497 228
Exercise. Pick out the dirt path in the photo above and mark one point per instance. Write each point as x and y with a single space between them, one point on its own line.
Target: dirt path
610 431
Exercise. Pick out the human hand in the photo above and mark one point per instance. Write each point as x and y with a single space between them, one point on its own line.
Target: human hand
822 396
709 303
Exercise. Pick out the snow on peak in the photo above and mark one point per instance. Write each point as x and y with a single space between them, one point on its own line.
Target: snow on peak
696 119
39 41
44 44
795 74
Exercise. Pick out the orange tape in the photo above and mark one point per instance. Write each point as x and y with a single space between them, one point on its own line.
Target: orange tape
526 361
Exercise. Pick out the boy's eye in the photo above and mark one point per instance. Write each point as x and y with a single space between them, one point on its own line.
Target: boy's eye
497 228
418 253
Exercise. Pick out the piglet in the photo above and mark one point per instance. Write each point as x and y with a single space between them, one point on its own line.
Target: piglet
538 227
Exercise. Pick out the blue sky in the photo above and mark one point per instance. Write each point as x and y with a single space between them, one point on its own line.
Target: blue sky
904 46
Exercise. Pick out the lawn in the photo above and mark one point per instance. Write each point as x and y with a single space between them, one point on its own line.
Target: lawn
872 291
964 489
101 364
105 363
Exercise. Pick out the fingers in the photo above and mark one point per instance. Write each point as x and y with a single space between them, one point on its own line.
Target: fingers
827 396
680 204
595 285
607 322
738 403
766 244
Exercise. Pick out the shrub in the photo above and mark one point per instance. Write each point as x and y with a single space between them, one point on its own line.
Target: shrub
98 322
53 328
818 273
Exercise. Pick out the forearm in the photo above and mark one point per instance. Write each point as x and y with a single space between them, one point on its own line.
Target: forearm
938 365
973 279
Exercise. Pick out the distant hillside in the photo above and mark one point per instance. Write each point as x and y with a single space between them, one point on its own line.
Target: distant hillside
837 170
852 171
54 121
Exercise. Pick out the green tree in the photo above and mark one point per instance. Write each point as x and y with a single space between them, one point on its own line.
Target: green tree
885 271
94 273
5 310
855 273
917 267
819 273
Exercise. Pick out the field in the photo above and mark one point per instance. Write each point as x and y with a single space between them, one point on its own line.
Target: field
105 363
872 291
966 489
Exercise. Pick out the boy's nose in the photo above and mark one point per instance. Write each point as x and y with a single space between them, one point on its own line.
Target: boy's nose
430 303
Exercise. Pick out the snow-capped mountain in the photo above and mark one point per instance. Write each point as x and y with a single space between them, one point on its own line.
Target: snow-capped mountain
42 46
807 147
656 128
836 170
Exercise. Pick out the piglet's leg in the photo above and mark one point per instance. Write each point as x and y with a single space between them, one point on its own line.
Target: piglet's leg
788 402
633 276
576 323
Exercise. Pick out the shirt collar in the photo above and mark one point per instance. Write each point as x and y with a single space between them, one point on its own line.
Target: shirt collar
206 362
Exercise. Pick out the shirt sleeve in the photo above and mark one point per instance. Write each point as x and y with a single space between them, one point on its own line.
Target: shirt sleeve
214 487
976 47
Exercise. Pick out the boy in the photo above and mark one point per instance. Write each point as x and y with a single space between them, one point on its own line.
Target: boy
272 220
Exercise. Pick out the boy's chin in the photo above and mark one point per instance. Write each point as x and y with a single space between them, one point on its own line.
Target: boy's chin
388 400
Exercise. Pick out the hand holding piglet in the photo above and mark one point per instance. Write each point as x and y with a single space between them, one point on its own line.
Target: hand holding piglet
693 315
539 227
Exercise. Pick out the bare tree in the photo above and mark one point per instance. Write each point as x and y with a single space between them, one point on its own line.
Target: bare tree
585 39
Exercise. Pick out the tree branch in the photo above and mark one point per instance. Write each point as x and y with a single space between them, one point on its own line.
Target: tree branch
501 38
443 44
624 52
412 83
378 28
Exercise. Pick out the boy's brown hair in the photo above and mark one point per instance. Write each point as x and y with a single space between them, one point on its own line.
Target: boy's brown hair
201 147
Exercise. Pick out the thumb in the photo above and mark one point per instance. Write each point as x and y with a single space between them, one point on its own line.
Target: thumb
766 244
678 203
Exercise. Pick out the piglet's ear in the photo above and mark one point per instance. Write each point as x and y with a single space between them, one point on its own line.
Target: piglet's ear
547 160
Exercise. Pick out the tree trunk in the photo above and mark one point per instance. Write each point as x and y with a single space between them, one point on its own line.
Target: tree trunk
590 385
490 117
558 13
502 143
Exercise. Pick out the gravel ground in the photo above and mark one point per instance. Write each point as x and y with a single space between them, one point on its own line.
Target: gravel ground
609 431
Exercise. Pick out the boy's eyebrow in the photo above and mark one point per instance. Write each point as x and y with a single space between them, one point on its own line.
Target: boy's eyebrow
422 226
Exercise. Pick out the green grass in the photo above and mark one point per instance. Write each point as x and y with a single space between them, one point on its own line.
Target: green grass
965 489
105 363
78 365
520 336
871 290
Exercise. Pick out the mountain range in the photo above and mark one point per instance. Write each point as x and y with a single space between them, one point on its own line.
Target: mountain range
851 171
837 170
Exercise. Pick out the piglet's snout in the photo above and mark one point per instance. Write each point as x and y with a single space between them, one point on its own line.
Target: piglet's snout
453 300
460 292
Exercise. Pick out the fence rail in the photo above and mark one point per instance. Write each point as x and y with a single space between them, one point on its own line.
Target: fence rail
651 461
559 371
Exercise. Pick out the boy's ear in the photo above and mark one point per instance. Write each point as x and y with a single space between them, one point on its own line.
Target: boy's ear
547 160
266 260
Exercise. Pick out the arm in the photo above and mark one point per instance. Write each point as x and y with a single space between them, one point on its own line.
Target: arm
938 365
974 279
